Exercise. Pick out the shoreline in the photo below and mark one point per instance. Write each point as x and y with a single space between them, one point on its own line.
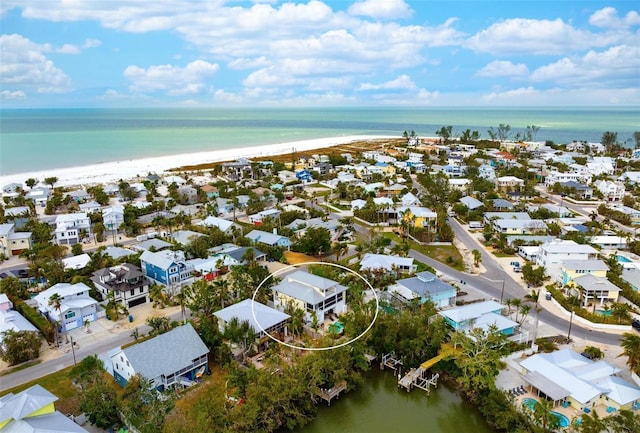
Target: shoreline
115 171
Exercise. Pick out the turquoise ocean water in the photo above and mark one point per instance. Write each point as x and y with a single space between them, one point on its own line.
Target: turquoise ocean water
39 139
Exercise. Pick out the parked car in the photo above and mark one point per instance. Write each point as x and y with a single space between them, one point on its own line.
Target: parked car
636 324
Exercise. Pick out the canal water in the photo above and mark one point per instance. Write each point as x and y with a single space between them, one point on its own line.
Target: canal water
379 406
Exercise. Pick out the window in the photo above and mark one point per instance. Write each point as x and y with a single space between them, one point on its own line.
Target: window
127 363
141 290
132 292
70 315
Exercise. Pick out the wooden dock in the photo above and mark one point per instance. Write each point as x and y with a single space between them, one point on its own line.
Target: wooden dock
390 361
331 393
416 377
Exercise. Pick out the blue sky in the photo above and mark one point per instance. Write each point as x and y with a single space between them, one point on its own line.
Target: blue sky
121 53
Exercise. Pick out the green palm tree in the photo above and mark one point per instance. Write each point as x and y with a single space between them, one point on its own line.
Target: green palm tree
542 413
630 344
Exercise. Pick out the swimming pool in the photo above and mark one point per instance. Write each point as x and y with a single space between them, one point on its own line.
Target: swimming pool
604 312
623 259
564 421
531 404
336 327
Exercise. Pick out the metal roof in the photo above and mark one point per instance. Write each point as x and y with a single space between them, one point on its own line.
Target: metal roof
549 387
267 316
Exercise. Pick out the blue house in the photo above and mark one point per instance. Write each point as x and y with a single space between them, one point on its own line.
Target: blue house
479 315
165 267
174 359
427 287
304 175
267 238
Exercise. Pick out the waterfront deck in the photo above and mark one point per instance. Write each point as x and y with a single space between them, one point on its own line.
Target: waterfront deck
416 378
390 361
331 393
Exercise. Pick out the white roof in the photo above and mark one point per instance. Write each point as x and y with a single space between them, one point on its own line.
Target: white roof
383 261
620 391
76 262
267 316
307 287
561 367
565 247
471 311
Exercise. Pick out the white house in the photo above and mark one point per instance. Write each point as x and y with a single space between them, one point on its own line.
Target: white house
612 191
70 227
212 221
310 293
387 263
113 217
12 320
556 176
261 318
555 252
126 281
75 305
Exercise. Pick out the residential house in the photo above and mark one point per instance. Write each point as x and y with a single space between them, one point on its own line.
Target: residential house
188 194
125 281
76 262
418 216
113 217
270 239
166 267
265 321
609 242
90 206
601 165
316 296
634 214
358 204
461 184
633 177
12 189
228 255
210 191
72 228
386 168
424 287
39 195
266 214
409 200
13 243
175 179
519 226
632 276
486 171
11 320
566 376
501 205
152 244
17 215
387 263
554 177
334 227
173 359
590 288
577 190
551 255
509 183
78 195
484 315
185 237
33 411
394 190
560 211
287 176
74 307
304 175
612 191
572 269
212 221
471 203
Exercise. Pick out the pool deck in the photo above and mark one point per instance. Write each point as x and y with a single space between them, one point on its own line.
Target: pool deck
570 412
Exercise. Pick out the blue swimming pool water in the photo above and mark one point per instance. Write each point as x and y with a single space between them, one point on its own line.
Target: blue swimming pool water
623 259
531 404
604 312
564 421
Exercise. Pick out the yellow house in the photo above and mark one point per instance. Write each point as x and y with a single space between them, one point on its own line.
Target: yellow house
33 410
572 269
12 242
387 169
418 216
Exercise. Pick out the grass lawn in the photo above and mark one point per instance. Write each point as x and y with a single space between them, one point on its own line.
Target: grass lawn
294 258
441 253
58 383
20 367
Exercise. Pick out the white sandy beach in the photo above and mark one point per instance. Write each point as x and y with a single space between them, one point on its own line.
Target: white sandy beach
114 171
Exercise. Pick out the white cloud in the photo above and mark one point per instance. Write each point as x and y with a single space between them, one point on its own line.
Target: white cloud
381 9
617 66
538 37
608 18
24 66
91 43
16 94
172 79
530 96
500 68
248 63
402 82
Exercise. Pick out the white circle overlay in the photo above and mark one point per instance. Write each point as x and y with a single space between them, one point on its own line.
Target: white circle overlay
290 267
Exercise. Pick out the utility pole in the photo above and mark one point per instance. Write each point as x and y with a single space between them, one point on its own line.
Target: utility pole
73 351
570 323
502 292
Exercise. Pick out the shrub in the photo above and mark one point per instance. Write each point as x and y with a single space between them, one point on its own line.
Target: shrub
44 326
